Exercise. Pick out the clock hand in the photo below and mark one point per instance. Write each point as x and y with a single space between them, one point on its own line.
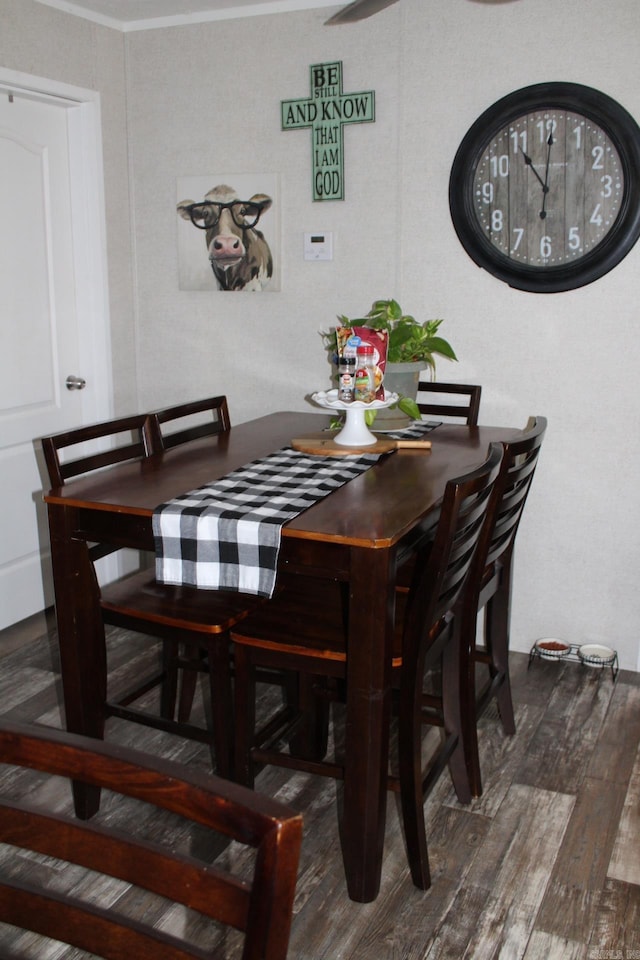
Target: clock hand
545 186
529 163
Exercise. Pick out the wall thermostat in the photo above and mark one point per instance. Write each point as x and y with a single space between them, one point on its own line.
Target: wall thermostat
318 246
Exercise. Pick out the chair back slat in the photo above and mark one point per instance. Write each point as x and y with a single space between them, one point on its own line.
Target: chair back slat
464 404
261 907
130 444
217 420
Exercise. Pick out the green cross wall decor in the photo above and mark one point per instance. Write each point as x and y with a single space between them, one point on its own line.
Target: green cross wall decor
326 111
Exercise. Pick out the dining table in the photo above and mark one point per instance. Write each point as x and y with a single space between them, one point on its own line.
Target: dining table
358 534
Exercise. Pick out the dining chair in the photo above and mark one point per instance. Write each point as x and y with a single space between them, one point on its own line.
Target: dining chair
488 589
208 812
162 433
160 436
182 618
304 629
455 401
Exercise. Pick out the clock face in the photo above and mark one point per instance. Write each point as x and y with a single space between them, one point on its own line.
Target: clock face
548 187
544 189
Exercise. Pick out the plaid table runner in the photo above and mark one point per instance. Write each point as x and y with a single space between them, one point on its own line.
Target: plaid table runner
226 534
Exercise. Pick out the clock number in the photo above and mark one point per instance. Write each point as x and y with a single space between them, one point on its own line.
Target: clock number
577 132
545 247
545 129
598 154
487 192
522 137
496 221
574 238
519 232
500 165
596 216
607 181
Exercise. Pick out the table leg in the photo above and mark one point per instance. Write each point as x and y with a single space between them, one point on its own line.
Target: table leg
371 614
80 638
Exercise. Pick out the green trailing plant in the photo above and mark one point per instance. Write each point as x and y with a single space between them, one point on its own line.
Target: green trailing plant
409 341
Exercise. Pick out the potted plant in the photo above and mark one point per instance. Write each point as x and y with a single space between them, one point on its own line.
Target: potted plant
412 347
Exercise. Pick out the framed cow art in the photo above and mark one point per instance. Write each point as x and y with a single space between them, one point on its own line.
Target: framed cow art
228 232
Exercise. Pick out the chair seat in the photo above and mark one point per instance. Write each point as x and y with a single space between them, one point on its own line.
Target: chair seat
312 609
140 597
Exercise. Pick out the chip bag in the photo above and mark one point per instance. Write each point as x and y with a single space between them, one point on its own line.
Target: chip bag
350 338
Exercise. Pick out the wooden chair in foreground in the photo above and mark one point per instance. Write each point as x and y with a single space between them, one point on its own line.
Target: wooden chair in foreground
463 401
489 588
260 907
183 618
302 629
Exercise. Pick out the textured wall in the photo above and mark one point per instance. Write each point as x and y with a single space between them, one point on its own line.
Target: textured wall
207 98
203 99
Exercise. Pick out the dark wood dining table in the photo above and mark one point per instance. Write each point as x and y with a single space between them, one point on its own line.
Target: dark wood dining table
359 534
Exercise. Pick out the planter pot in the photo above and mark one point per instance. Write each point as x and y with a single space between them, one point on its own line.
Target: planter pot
402 378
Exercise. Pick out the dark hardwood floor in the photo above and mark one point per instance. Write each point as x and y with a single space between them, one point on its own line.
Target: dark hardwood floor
545 866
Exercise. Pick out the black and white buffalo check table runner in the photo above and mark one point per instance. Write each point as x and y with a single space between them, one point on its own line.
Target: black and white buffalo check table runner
226 534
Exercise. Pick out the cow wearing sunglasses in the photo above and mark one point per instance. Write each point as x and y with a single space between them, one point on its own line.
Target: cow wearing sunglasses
238 253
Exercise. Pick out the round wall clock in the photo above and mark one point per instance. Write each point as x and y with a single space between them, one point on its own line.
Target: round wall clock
545 187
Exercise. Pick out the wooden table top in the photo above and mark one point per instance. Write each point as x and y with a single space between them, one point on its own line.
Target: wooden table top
375 509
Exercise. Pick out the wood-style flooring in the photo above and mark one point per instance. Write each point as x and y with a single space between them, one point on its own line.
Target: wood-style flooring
545 866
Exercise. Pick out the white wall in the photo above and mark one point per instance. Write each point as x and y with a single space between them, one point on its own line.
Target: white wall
206 98
202 99
573 356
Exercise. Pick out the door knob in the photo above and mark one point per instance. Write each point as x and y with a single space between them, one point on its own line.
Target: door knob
75 383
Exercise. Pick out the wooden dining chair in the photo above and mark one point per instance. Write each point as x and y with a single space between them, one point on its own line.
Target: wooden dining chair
209 812
184 619
455 401
488 589
167 428
161 430
303 629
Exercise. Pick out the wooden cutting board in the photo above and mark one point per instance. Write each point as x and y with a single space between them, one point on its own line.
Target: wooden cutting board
323 445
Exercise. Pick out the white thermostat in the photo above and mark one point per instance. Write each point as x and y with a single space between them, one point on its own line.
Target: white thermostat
318 246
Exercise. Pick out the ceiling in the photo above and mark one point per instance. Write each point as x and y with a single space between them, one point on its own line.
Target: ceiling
146 14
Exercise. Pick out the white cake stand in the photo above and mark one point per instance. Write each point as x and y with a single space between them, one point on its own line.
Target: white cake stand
355 432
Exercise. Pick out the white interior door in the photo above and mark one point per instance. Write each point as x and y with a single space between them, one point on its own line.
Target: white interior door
46 268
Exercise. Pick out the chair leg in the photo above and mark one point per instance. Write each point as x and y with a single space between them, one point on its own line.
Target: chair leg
497 643
218 655
311 736
465 627
188 682
169 688
410 769
452 694
245 715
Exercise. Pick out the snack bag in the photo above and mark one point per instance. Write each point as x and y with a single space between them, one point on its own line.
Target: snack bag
350 338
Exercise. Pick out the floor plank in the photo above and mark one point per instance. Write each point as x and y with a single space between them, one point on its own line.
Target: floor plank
625 859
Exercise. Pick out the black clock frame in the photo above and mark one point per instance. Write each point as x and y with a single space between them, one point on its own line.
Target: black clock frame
624 133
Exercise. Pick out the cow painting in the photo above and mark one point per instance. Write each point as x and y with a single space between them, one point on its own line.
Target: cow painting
238 253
